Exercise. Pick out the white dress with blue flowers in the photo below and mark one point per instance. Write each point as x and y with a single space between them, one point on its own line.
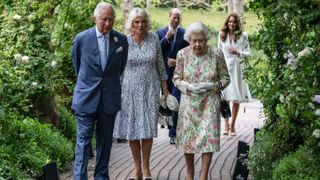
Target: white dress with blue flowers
140 96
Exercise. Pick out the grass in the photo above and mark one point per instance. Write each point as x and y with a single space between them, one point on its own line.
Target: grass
214 19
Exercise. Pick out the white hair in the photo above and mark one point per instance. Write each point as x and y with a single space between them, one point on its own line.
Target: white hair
103 5
136 12
196 27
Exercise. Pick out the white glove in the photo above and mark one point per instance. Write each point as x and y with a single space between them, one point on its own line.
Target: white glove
172 103
205 85
194 88
163 101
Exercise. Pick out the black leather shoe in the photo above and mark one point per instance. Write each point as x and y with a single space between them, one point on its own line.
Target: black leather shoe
172 140
121 140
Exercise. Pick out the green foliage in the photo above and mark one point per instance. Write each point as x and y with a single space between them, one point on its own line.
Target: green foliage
265 150
67 124
298 165
27 145
289 39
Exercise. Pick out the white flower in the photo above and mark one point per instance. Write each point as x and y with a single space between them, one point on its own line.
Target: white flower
16 17
316 99
317 113
292 62
316 133
17 56
65 25
53 63
34 83
25 58
56 10
115 39
281 98
285 55
285 16
311 105
30 17
305 52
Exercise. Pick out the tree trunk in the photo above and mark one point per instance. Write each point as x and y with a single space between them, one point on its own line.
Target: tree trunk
179 4
47 107
238 7
230 6
127 6
149 5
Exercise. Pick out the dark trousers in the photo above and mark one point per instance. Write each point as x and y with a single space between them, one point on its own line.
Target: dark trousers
173 128
104 131
177 94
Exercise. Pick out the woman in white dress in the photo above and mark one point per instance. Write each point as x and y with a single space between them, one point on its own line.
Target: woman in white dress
143 77
235 46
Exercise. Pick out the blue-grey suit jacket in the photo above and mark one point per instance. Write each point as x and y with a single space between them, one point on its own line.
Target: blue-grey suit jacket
93 83
171 52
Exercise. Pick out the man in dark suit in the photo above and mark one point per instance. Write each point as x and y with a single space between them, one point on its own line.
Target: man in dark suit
171 39
99 56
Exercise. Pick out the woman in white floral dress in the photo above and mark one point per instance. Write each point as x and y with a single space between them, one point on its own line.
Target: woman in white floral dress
235 47
200 74
143 77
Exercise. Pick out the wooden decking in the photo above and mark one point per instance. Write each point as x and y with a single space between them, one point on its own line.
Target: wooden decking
168 163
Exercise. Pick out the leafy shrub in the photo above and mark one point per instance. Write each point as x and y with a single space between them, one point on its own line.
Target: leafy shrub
67 124
302 164
286 85
28 145
263 155
35 62
9 168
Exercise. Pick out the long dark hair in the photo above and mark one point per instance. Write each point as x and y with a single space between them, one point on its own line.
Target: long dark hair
225 28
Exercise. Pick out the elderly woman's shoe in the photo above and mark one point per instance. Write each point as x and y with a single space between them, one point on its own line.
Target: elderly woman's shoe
233 133
147 178
136 178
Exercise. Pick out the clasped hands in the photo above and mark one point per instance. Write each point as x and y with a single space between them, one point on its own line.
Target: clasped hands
200 87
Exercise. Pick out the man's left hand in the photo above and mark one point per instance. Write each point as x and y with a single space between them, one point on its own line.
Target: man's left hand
171 62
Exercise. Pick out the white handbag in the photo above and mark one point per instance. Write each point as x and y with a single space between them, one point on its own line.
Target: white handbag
172 103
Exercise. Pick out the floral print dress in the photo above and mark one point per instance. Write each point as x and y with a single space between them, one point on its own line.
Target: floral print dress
140 96
198 129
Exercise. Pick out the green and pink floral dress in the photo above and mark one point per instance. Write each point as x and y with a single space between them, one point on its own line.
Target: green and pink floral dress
198 129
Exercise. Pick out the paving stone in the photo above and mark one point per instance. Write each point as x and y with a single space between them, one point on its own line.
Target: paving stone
168 163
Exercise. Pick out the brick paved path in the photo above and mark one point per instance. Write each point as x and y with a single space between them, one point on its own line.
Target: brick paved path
167 163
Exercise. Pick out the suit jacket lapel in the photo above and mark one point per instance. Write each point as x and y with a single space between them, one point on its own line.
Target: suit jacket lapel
93 40
113 44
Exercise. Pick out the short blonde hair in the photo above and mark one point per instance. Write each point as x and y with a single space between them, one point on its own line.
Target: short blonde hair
136 12
175 10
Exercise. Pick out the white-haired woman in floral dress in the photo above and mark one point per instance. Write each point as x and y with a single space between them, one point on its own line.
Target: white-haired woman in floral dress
200 74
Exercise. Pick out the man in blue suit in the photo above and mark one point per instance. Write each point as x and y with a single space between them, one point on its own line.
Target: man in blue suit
99 56
171 39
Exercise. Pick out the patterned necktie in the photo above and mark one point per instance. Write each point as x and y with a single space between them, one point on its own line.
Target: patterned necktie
104 57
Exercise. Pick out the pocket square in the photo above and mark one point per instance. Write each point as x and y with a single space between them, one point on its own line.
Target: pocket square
119 49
